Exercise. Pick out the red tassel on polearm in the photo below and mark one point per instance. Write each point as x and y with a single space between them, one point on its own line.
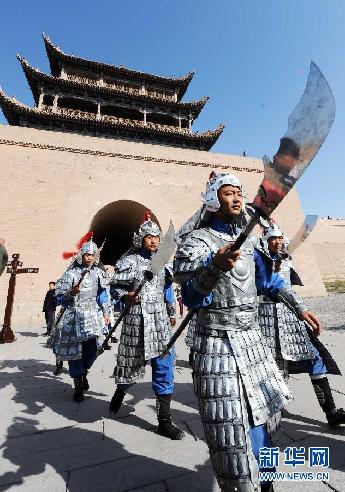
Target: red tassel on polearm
147 215
84 239
68 254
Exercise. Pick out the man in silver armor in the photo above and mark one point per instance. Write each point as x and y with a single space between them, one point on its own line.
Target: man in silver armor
82 292
237 382
290 339
147 327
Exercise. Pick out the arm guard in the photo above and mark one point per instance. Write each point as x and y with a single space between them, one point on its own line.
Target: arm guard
206 279
63 288
124 276
292 300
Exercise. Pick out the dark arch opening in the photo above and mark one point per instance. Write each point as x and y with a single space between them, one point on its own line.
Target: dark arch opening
117 222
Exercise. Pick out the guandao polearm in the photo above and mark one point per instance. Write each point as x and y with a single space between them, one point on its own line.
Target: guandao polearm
308 127
302 233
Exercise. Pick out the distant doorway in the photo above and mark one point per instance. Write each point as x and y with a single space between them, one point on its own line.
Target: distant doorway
116 223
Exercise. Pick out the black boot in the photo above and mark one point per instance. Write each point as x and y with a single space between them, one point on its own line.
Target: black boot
58 368
78 391
335 417
267 487
116 401
86 385
165 426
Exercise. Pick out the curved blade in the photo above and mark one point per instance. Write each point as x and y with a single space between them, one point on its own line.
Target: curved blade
308 126
165 251
303 232
312 118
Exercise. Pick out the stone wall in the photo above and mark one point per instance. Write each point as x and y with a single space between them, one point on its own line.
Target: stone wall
53 184
328 239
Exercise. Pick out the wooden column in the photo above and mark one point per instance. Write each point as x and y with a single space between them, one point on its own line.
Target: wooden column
40 101
143 87
190 122
55 103
145 113
63 73
101 81
99 110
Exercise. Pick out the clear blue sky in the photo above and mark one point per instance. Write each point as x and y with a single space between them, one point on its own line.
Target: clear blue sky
251 57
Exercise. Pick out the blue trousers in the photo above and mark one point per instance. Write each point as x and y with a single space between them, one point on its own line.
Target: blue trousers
79 367
315 366
259 438
162 375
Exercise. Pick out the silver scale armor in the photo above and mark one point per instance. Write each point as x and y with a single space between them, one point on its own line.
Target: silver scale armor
230 358
146 329
83 318
284 333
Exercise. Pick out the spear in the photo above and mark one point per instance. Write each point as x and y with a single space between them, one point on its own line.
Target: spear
160 259
308 127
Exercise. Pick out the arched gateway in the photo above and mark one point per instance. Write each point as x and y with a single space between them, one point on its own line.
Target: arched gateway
115 223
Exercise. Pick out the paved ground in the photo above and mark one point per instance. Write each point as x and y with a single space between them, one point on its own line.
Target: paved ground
49 443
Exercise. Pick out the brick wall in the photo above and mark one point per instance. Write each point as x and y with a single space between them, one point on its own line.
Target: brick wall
54 183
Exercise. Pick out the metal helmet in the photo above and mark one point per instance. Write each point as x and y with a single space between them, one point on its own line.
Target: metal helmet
216 181
147 228
90 248
273 231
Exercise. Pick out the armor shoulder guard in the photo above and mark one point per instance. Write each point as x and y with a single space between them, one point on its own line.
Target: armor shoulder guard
193 251
65 283
103 278
254 241
125 269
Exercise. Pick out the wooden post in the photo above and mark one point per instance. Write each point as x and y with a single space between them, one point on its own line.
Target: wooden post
190 122
40 101
7 335
55 103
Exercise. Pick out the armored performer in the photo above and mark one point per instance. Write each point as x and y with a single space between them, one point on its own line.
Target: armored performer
237 382
292 343
82 292
147 326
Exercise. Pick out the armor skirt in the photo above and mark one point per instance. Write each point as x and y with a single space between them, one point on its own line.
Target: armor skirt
145 332
237 384
77 324
284 333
